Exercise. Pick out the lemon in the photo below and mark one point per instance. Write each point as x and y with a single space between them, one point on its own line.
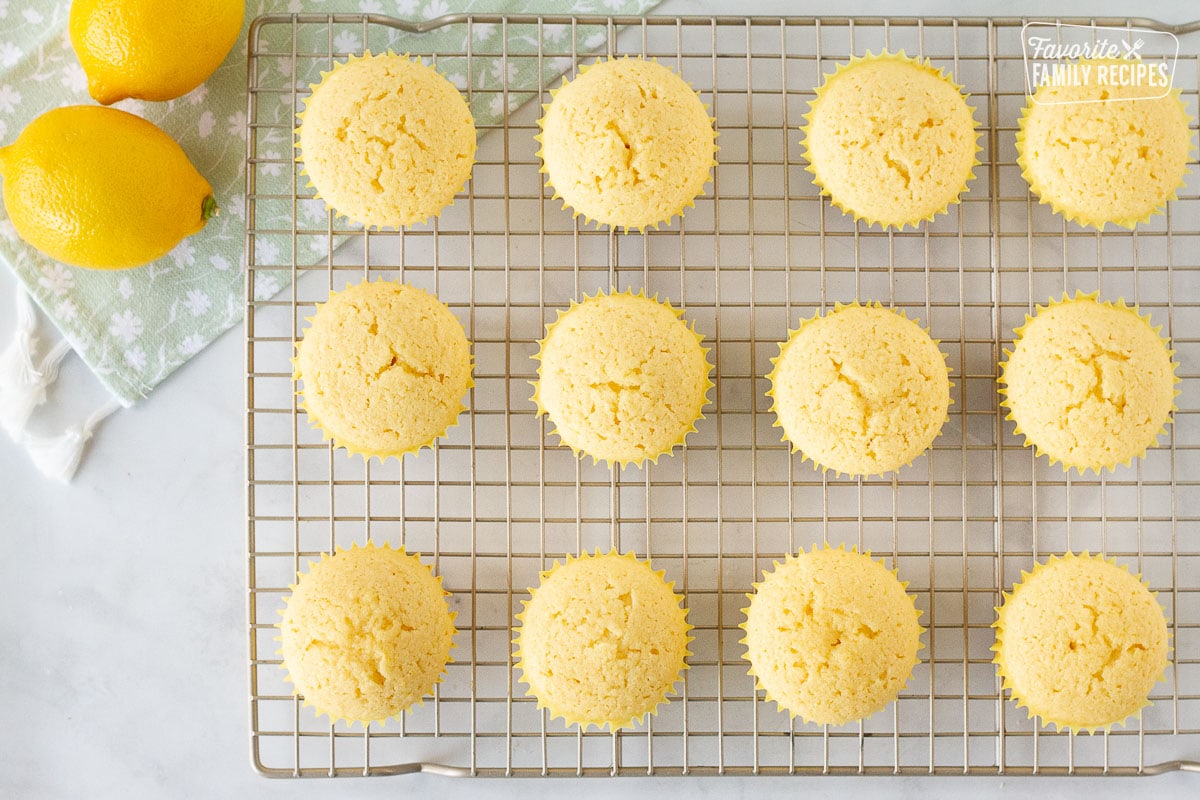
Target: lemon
101 188
152 49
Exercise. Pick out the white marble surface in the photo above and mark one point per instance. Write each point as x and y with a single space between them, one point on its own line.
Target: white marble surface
122 625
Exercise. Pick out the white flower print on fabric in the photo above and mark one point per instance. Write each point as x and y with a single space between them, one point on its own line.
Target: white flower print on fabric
184 253
9 98
3 9
370 6
266 284
32 16
219 263
66 309
57 278
436 8
74 78
126 326
347 42
192 344
274 170
135 357
205 125
196 302
125 287
406 8
237 125
9 54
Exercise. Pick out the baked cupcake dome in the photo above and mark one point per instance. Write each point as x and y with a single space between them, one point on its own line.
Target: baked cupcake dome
366 633
1089 384
386 141
831 635
862 390
1124 160
627 143
383 368
602 640
622 377
890 139
1080 642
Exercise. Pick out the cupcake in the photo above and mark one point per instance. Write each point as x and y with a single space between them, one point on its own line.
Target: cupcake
831 635
386 141
1089 384
1095 154
627 143
384 367
890 139
366 633
1080 642
622 377
862 390
602 640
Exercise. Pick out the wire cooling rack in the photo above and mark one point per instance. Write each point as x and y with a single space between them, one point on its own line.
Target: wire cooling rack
498 499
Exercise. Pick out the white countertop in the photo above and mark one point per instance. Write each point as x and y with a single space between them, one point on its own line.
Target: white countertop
123 664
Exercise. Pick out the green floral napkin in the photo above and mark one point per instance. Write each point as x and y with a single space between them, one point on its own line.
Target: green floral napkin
135 327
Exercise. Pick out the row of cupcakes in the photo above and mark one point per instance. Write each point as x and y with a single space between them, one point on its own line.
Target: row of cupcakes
388 142
831 636
623 378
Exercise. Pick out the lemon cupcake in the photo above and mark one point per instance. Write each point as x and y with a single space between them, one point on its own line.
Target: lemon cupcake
1089 384
386 141
622 377
890 139
602 640
862 390
1080 642
831 635
1095 154
384 367
366 633
627 143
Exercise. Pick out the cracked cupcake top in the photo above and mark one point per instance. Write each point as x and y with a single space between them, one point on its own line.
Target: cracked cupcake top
384 367
1089 384
1081 642
890 139
366 633
831 635
602 640
627 143
862 390
386 140
622 377
1102 153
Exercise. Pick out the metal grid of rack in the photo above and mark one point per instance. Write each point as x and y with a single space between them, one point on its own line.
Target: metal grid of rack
499 499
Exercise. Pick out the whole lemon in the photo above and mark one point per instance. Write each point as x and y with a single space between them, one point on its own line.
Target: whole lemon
152 49
101 188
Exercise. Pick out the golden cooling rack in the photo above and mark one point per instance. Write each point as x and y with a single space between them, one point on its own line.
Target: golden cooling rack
498 500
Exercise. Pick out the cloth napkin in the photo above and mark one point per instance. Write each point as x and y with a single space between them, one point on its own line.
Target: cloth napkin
135 327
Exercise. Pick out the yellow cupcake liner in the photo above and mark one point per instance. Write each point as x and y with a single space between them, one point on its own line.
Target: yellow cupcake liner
613 724
759 687
1006 683
1082 219
586 219
352 450
300 155
580 453
420 701
783 346
885 55
1019 332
